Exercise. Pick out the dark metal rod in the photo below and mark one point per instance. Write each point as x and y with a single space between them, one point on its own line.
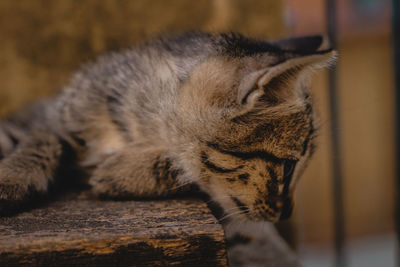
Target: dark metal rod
338 210
396 65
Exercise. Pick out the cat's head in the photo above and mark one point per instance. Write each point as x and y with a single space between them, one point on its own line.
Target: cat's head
250 110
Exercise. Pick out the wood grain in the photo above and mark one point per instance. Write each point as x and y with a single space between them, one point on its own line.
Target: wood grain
110 233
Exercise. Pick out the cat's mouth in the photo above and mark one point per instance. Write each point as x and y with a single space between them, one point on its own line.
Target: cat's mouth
272 209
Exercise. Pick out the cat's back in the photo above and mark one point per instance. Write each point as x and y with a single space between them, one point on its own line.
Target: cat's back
151 63
127 95
142 76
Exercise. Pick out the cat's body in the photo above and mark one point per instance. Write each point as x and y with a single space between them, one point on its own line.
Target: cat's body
229 114
125 99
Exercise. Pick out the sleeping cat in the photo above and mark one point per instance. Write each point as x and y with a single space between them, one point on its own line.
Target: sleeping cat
229 114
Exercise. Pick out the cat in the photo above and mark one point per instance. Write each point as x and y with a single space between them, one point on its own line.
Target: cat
229 114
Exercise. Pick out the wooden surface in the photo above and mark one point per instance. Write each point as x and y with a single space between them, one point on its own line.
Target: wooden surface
110 233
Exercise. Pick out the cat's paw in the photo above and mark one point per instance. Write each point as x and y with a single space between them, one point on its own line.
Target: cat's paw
114 179
257 244
101 186
10 191
110 187
12 195
16 191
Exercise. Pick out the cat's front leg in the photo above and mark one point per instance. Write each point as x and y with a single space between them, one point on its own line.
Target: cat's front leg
257 244
28 170
137 172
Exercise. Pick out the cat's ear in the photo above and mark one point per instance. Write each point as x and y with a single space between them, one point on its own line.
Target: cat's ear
278 82
304 44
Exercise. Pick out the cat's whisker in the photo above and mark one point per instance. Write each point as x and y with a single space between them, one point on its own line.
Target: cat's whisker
224 197
237 207
230 215
180 186
217 198
233 214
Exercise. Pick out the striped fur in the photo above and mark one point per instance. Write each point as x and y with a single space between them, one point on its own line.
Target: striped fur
224 112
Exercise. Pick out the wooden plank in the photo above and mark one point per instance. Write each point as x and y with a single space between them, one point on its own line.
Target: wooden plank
109 233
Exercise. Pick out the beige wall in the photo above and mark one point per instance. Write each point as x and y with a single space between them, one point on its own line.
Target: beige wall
367 134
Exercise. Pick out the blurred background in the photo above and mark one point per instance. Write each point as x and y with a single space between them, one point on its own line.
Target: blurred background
365 89
42 42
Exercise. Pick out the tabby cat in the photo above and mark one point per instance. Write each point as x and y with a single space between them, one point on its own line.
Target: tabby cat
226 113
